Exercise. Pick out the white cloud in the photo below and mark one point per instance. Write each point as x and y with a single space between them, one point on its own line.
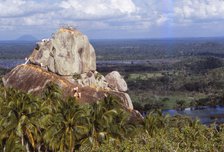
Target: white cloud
11 8
111 15
161 20
18 8
97 9
39 19
199 9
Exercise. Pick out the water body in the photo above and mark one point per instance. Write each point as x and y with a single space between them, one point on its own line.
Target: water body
119 62
206 115
10 63
138 62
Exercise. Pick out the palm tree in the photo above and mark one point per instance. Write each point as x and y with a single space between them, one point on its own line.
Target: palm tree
155 121
52 91
13 144
19 114
109 122
67 126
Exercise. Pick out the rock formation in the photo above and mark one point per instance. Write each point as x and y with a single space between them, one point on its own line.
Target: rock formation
33 79
68 52
68 60
116 81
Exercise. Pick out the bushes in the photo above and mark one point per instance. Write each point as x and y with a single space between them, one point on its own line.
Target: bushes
180 105
51 123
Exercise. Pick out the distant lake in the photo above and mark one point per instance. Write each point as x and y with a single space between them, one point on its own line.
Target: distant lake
10 63
206 115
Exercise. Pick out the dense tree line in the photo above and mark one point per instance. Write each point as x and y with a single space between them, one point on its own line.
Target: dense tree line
51 123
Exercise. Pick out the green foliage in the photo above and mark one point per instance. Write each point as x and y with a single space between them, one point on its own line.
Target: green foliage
76 76
3 71
19 114
55 124
65 127
171 134
98 76
180 104
51 123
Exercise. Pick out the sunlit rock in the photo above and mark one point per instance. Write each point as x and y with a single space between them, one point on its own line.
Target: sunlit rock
116 81
68 52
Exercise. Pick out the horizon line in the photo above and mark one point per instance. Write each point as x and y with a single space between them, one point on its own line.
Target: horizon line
149 38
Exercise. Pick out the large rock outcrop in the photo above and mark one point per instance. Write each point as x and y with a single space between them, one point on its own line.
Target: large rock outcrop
68 60
68 52
33 79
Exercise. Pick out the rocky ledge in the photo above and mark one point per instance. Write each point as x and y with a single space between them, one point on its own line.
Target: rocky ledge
68 60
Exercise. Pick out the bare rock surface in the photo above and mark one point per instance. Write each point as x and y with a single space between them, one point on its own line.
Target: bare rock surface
68 60
68 52
33 79
116 81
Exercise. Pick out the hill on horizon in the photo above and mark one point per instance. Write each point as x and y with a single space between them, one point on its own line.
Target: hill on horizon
27 38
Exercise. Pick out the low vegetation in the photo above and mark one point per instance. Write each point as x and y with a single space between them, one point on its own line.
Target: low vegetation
195 81
3 71
51 123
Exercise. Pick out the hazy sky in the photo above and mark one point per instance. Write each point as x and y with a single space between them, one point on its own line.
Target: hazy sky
113 18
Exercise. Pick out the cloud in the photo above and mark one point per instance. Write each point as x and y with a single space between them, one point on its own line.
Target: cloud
20 8
119 16
203 10
11 8
30 12
97 9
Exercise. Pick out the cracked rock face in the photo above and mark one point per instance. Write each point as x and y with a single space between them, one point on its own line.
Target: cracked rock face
68 52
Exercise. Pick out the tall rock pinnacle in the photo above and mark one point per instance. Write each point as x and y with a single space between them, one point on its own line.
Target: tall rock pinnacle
68 52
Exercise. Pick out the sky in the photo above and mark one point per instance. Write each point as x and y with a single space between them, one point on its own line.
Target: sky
113 19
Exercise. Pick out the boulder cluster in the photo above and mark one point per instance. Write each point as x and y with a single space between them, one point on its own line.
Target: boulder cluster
68 60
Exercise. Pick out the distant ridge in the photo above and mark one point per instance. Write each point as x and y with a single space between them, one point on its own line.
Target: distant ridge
26 38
